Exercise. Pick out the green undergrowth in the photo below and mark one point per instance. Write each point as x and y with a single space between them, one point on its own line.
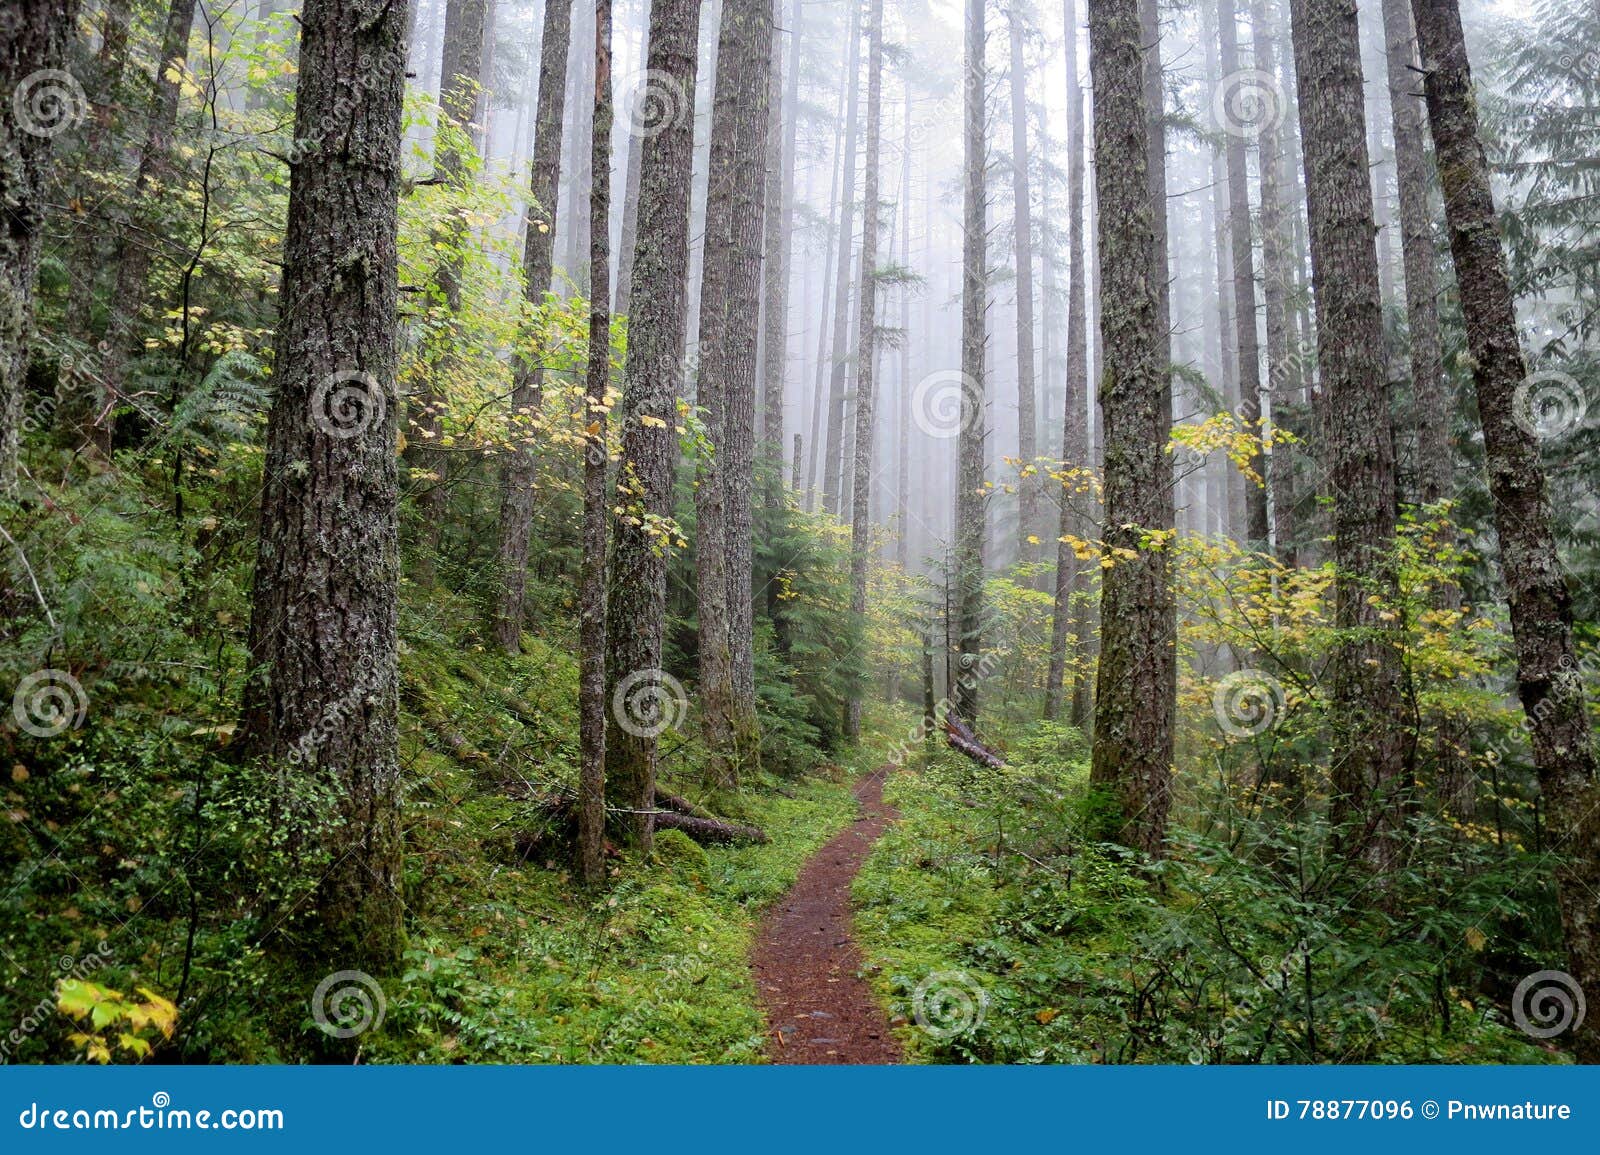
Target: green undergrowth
137 853
997 930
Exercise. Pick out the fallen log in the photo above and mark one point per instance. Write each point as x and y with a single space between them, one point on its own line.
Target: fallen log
710 831
962 739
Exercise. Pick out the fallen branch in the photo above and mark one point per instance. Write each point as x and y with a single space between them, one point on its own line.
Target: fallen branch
710 831
962 739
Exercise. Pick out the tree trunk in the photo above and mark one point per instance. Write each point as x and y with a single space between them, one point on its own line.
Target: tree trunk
1549 679
1276 279
1028 489
866 360
592 595
971 502
1370 757
775 254
1431 401
622 292
819 389
1074 430
1236 129
742 335
652 384
518 473
37 41
136 253
833 457
1133 743
726 384
902 489
323 638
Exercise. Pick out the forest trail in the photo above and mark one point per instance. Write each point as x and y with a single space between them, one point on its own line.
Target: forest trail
818 1008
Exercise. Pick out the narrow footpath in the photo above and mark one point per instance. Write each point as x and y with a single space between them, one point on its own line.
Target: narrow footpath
807 967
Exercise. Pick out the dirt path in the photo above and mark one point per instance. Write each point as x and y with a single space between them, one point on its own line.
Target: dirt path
818 1009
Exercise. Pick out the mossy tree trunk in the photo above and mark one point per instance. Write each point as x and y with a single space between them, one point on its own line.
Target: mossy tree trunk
323 625
1549 679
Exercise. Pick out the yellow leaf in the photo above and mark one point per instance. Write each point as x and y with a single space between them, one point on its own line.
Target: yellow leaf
650 422
1476 938
1047 1015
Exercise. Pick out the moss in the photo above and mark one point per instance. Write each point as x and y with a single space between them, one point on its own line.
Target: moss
674 847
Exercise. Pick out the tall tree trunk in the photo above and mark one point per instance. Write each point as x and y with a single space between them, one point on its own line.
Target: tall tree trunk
1549 679
1236 129
1075 429
823 373
35 42
592 595
517 474
742 336
622 292
1028 489
641 695
1431 401
971 501
1276 286
866 362
838 375
107 90
1370 757
1231 482
135 253
902 489
1133 736
726 380
323 629
775 254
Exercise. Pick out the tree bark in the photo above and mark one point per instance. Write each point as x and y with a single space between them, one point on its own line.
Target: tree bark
1549 679
1075 429
37 41
1276 286
1133 738
902 489
1028 488
1244 280
726 380
1370 757
136 253
838 375
323 635
971 500
866 362
775 254
596 500
517 475
653 381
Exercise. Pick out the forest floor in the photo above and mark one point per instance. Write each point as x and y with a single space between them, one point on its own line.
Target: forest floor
808 968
